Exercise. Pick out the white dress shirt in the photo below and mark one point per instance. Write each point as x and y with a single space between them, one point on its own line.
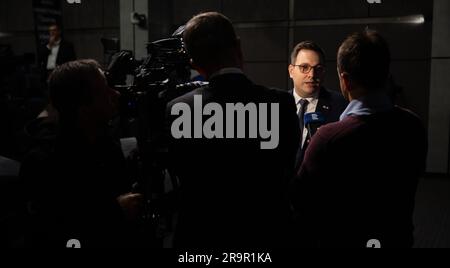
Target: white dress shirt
51 62
311 108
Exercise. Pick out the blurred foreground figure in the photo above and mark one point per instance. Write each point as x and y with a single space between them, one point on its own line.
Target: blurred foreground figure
75 175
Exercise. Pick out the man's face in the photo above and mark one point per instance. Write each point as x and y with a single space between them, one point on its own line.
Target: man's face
54 32
307 73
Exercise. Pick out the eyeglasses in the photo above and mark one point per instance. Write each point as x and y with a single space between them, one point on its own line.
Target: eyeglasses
306 68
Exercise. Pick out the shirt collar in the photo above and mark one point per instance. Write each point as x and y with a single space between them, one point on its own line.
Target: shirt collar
368 105
310 99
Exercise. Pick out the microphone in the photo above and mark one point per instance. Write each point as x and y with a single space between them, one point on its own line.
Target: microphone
313 120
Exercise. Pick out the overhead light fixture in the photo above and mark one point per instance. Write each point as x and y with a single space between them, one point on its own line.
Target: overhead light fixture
411 19
4 35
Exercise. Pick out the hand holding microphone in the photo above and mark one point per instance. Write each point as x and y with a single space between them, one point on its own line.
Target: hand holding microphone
312 122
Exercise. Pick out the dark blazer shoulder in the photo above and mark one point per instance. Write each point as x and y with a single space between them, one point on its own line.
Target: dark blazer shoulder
332 104
280 94
66 52
335 97
244 85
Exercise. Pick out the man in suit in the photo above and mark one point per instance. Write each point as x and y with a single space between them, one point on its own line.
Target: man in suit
307 70
232 192
359 176
56 52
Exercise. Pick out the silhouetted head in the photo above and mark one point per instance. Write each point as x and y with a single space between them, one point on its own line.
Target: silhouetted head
212 43
363 63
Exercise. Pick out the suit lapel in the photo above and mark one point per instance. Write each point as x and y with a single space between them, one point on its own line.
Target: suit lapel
60 53
324 105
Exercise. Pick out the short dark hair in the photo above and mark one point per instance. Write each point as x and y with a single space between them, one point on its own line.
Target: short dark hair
307 45
209 38
365 56
71 86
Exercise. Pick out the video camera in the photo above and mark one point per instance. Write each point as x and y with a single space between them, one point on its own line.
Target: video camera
161 77
164 74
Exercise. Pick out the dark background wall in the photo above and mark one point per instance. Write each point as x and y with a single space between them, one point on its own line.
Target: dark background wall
268 31
439 114
84 25
87 23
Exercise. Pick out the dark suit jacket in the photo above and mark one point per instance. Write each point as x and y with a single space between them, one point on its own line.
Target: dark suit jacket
233 194
358 181
331 105
66 53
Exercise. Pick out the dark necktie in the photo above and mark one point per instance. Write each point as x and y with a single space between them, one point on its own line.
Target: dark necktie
301 115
